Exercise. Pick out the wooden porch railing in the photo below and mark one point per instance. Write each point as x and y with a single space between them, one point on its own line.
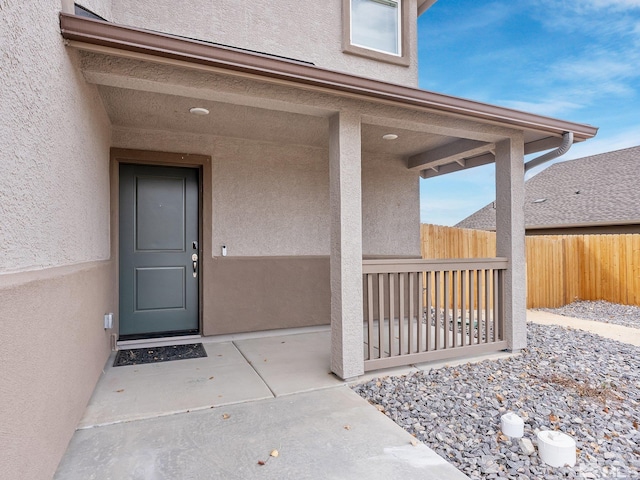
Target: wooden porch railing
422 310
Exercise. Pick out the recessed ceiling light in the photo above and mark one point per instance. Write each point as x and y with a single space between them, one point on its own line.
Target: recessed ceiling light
390 136
540 200
199 111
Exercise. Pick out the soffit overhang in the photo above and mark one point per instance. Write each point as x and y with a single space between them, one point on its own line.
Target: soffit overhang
130 39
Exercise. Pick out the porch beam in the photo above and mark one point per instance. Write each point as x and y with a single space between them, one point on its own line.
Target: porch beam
455 166
345 194
543 144
452 152
510 241
531 147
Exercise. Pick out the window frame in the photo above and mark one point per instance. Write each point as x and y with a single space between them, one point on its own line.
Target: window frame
403 33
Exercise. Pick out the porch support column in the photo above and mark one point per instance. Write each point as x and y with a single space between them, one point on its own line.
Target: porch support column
510 241
347 358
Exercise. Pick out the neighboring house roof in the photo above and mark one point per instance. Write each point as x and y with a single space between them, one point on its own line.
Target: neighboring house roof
596 190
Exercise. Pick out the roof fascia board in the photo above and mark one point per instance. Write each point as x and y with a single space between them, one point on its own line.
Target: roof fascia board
95 32
425 5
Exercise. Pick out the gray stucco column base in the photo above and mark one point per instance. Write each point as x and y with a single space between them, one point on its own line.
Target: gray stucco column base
347 358
510 241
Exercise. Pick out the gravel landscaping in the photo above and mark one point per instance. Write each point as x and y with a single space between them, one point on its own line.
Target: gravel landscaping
568 380
600 311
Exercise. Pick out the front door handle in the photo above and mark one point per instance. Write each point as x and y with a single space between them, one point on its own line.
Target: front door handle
194 258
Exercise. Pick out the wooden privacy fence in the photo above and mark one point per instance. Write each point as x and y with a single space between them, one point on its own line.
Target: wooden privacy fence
560 268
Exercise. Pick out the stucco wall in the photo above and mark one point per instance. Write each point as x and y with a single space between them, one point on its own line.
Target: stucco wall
306 30
54 185
390 207
55 278
273 200
270 200
54 348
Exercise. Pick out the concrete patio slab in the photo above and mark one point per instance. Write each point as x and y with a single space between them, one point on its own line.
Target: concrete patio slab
329 434
145 391
292 363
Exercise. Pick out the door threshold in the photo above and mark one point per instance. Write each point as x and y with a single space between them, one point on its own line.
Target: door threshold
157 342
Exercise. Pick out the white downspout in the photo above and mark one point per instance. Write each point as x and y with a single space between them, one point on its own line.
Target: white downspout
567 141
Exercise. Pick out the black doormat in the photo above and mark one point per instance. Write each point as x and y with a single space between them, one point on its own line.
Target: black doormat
138 356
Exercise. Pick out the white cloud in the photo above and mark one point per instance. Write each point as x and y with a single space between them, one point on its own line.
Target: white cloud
554 8
550 107
600 72
483 15
609 4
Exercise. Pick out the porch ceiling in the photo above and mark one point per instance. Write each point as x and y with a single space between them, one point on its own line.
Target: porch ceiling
137 109
158 111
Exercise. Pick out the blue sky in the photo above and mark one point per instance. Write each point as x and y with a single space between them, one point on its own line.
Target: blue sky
577 60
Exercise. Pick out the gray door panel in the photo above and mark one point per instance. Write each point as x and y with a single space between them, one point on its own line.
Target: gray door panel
158 225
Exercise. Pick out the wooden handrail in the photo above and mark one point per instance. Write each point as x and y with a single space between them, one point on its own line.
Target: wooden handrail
412 265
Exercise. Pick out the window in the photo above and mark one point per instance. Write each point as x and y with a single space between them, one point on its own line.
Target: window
375 29
375 25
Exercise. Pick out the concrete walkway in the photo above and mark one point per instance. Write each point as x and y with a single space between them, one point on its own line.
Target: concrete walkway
218 417
608 330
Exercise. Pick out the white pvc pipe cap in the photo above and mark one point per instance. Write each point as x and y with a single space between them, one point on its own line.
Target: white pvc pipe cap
556 449
512 425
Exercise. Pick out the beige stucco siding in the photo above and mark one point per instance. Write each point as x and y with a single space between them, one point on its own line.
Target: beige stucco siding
270 199
56 280
54 348
273 199
54 184
390 207
306 30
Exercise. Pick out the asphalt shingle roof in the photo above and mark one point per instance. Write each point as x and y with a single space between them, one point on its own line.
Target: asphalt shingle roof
602 188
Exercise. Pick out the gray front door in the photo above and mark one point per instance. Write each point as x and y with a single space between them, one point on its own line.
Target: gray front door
158 249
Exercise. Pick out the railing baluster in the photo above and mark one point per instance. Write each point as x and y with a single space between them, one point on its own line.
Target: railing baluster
496 306
500 311
371 315
487 302
472 305
381 295
479 300
447 325
420 315
402 312
454 314
428 285
463 307
392 311
412 292
437 313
